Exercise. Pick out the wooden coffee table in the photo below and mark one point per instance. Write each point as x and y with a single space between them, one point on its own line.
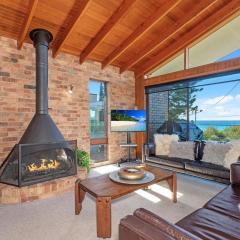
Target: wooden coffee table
105 190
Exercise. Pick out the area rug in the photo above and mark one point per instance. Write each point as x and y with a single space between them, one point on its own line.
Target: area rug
54 219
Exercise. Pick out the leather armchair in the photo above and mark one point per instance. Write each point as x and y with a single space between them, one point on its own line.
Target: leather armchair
145 225
218 219
235 173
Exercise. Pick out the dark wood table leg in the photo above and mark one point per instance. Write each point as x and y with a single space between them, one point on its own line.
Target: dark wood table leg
104 228
172 182
79 197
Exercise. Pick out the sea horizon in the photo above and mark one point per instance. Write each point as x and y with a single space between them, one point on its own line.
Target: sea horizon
218 124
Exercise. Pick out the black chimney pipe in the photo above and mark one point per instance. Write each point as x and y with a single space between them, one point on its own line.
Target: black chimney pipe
41 39
42 128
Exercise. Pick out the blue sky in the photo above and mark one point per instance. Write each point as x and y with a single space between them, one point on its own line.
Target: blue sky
219 102
232 55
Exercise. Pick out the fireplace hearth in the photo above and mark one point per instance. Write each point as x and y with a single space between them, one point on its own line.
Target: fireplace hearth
42 153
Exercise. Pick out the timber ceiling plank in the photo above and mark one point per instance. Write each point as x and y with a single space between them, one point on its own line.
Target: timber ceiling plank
28 20
140 30
100 36
200 8
200 71
128 38
60 40
207 25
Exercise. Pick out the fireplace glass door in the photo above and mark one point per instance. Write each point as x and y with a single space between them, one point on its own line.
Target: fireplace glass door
34 163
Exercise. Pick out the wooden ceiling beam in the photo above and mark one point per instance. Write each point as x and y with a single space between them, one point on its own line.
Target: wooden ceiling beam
140 30
107 27
212 23
60 40
201 71
168 33
27 22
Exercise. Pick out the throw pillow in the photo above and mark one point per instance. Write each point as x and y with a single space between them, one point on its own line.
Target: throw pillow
233 154
163 142
183 150
215 152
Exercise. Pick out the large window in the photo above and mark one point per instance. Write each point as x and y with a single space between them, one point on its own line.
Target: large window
221 45
198 109
174 65
98 120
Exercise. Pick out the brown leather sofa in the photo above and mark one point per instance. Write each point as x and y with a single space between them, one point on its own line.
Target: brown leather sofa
219 219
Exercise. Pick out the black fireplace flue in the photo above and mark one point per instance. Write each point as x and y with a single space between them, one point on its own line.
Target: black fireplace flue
42 153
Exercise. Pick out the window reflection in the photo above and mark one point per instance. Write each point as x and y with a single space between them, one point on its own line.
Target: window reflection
214 48
208 111
98 120
99 153
97 109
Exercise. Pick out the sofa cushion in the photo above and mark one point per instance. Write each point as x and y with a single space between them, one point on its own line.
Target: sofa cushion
208 169
215 152
211 225
163 142
226 202
232 155
165 160
182 150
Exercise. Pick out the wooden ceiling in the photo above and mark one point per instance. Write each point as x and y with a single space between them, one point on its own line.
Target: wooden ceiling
134 35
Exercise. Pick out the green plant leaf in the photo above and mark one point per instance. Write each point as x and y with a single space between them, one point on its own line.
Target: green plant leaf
83 159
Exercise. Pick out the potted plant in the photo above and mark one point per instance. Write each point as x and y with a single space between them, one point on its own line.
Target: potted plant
83 159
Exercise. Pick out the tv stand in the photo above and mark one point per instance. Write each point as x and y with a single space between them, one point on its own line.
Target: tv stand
128 145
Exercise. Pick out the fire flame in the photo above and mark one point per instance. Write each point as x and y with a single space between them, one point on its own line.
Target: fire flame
45 165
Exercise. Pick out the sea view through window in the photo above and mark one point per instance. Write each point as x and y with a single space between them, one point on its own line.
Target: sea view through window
199 109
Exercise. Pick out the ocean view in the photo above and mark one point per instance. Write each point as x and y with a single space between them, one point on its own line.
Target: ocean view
218 124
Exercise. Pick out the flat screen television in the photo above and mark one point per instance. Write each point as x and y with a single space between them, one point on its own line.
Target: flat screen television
128 120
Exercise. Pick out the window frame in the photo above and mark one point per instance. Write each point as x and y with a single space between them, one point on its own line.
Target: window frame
102 140
186 52
193 78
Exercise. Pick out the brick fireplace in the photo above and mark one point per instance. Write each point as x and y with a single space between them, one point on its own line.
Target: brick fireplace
70 112
42 153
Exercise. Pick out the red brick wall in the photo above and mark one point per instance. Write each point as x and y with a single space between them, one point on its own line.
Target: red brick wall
70 112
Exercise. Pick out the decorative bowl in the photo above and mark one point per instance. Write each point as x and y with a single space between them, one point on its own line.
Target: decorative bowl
131 173
140 166
149 177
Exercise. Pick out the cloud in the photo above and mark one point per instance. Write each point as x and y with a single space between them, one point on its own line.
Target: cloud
226 112
220 99
223 112
219 108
